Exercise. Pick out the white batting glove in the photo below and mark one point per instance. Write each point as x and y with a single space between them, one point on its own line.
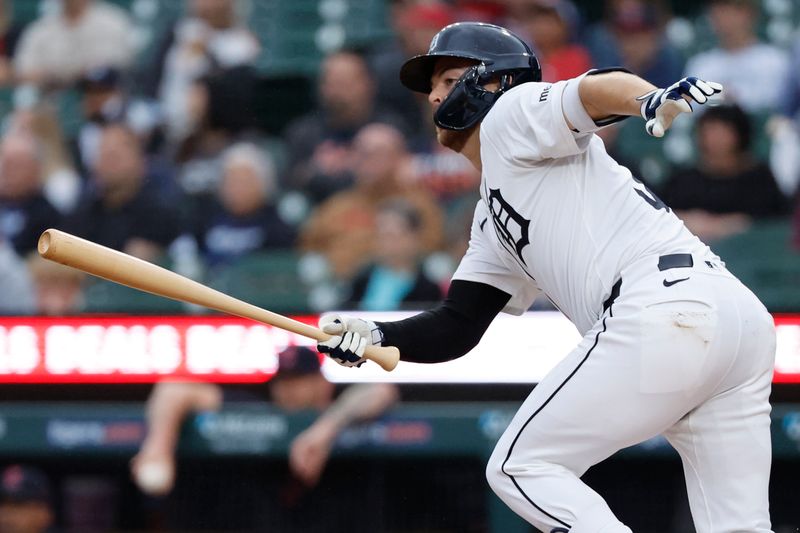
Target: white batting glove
350 337
661 106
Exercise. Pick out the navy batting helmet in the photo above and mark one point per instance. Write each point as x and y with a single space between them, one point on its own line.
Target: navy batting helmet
498 54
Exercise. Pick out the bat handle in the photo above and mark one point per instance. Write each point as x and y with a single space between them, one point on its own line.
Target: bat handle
386 356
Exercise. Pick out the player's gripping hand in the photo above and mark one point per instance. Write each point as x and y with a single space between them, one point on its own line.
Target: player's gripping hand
350 337
661 106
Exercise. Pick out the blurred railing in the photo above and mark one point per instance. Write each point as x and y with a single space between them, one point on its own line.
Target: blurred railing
74 432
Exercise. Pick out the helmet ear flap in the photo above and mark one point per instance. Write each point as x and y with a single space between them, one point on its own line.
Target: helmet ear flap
485 75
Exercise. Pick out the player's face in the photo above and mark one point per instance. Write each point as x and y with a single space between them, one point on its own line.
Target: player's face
297 393
446 73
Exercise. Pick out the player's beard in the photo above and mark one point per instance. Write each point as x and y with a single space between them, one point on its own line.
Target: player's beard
454 140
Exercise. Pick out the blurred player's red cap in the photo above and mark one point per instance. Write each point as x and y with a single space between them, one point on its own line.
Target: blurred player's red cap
297 361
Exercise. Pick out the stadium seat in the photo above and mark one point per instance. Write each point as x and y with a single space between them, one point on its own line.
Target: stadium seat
269 279
761 140
764 260
25 11
635 145
297 35
70 113
6 101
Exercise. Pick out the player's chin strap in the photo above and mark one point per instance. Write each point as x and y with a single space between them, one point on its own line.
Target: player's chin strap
469 101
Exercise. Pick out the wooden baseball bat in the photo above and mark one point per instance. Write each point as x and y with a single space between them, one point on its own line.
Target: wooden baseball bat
118 267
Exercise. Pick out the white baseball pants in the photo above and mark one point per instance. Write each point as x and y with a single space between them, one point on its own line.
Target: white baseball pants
692 359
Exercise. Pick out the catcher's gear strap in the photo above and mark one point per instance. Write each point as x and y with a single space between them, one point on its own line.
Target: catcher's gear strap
449 330
574 110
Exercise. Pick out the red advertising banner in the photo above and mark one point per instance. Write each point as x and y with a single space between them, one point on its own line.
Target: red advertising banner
140 349
116 349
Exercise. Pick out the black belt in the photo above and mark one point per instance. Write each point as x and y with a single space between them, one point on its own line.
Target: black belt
665 262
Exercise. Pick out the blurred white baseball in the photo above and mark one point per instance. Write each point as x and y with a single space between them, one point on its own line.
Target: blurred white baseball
154 478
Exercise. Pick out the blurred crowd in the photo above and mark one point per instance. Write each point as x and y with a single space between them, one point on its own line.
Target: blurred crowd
169 149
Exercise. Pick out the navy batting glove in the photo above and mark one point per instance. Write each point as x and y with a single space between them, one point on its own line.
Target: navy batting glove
347 349
661 106
350 337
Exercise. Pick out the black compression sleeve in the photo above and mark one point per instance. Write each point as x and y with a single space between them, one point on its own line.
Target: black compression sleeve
449 330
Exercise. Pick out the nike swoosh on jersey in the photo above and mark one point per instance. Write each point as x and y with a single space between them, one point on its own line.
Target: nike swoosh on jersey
673 282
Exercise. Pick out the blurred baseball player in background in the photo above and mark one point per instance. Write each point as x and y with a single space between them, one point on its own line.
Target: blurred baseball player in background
672 342
298 385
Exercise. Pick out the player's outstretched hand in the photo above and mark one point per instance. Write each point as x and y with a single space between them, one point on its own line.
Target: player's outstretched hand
350 337
661 106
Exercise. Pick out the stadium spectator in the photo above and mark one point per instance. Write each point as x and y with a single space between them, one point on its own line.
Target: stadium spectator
632 36
26 500
220 112
395 278
791 101
784 158
414 26
728 188
62 184
741 58
102 101
105 100
444 174
342 228
209 41
61 45
490 11
320 142
298 385
550 27
24 211
784 131
122 209
57 289
10 32
16 286
244 218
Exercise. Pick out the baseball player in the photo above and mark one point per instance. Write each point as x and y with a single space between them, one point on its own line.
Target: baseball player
672 343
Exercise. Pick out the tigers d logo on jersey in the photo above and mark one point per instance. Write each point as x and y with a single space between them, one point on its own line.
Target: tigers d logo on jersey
510 226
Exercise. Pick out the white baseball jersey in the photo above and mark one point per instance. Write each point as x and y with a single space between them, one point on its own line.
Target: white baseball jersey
557 213
685 351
